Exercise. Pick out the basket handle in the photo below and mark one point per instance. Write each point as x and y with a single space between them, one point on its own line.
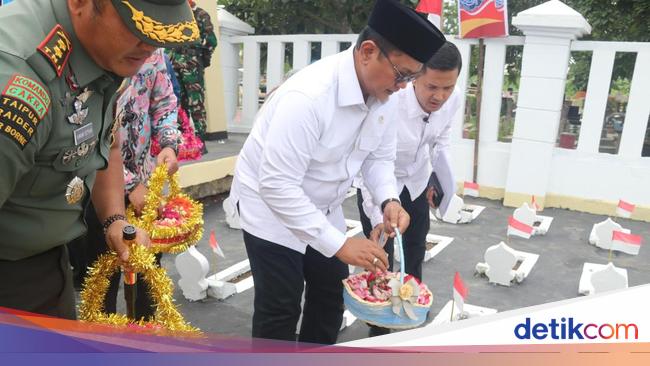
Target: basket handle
155 185
398 240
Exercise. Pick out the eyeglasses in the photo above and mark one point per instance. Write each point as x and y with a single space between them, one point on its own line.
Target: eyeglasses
399 77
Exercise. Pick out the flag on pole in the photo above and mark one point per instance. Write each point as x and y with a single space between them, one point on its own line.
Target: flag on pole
482 18
215 246
518 228
534 205
434 10
624 209
626 243
470 189
460 292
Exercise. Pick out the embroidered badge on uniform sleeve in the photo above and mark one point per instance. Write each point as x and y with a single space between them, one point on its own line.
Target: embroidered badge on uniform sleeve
56 47
23 104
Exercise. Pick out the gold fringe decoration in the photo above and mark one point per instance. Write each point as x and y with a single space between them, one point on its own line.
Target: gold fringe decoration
142 260
159 32
166 238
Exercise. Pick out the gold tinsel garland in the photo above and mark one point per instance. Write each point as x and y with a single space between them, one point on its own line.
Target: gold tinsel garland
160 286
168 239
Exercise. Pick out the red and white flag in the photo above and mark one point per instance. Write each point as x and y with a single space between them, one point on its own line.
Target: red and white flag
624 209
626 243
434 10
460 292
470 189
215 246
518 228
534 205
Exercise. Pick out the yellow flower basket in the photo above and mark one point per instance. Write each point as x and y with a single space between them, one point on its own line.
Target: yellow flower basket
181 223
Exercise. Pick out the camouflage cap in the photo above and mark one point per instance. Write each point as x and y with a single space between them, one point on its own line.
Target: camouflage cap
161 23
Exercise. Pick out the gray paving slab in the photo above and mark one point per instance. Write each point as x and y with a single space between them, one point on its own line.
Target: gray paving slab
555 276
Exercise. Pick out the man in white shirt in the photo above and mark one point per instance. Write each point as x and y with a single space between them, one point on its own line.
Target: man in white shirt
310 139
426 109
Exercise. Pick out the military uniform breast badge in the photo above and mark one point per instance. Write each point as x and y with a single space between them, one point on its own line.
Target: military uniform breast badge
75 191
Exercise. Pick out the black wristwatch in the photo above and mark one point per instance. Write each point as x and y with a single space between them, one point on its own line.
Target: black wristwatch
383 204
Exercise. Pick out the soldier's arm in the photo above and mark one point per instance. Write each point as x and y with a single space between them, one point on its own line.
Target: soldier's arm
108 199
25 124
209 38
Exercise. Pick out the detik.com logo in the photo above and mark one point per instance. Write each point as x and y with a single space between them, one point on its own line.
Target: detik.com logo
568 328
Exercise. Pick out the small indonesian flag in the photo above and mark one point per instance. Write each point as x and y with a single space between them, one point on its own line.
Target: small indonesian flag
518 228
433 8
215 246
626 243
470 189
534 205
624 209
460 292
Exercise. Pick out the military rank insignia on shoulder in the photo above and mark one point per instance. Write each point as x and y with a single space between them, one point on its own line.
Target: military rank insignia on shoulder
23 104
56 47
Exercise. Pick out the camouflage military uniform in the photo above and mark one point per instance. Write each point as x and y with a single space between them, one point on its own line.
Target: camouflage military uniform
189 63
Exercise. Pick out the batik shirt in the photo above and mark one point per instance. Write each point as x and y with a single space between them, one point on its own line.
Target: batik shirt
146 109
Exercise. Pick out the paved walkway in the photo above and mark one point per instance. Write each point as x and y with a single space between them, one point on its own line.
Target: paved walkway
555 276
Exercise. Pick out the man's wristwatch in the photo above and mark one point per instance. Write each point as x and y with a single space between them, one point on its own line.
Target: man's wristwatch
383 204
111 219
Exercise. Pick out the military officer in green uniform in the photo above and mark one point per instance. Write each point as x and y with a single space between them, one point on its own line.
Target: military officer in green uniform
61 63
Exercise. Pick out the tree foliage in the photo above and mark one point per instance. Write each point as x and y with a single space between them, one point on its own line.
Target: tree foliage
611 20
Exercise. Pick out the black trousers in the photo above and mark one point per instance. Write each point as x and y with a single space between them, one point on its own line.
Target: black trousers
280 274
95 244
39 284
414 238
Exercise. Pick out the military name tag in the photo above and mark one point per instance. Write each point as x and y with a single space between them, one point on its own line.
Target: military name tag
83 134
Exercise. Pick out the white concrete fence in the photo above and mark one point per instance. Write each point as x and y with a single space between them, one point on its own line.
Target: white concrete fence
531 164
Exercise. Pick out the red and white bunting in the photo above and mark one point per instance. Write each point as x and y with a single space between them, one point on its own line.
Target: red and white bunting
434 10
518 228
460 292
470 189
626 243
215 246
624 209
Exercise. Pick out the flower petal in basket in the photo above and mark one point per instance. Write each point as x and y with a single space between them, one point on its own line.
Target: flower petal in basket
383 313
181 222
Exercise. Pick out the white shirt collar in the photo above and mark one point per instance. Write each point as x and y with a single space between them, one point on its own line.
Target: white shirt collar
414 109
349 91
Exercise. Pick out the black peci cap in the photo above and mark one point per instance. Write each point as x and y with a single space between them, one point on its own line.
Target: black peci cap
406 29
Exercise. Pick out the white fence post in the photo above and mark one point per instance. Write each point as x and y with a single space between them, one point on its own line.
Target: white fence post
464 47
549 30
230 26
251 84
495 59
638 108
301 54
602 63
274 64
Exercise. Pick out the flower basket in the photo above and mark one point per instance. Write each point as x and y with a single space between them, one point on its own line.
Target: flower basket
388 300
179 225
387 313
